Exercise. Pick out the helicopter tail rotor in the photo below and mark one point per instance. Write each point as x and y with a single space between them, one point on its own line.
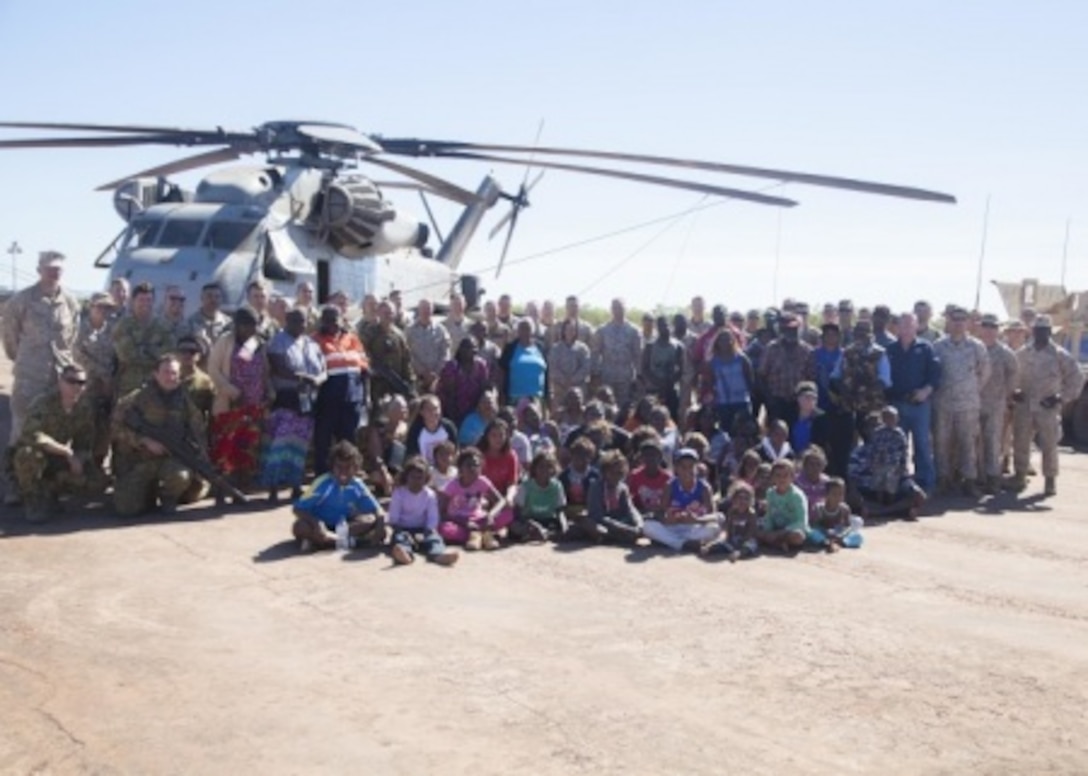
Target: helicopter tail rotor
518 203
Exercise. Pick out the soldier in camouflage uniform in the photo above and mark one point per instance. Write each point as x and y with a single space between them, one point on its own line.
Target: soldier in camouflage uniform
390 359
1049 376
429 345
957 404
617 355
996 398
857 389
196 382
173 312
94 352
54 455
139 340
208 323
146 473
40 327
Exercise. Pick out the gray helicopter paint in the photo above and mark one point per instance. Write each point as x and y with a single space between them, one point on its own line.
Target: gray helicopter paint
189 243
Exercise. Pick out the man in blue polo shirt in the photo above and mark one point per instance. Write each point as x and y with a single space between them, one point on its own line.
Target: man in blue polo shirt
916 373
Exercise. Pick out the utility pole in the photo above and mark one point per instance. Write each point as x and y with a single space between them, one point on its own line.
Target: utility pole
14 252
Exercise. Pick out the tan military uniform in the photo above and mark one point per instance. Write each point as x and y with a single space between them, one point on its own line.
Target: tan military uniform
1043 372
142 478
206 330
457 330
429 347
138 347
177 328
957 405
996 396
39 333
43 477
568 367
617 356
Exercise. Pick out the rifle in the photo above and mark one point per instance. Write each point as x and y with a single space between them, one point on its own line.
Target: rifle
185 449
396 382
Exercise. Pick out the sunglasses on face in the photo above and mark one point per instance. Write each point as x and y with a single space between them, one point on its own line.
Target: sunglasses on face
177 299
73 381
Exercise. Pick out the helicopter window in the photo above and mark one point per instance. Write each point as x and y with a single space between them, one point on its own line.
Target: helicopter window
180 233
143 233
230 235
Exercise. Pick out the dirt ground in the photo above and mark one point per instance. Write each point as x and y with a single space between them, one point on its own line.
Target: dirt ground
206 645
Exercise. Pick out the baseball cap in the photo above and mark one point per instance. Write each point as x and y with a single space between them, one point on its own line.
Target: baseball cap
989 320
789 321
686 453
846 306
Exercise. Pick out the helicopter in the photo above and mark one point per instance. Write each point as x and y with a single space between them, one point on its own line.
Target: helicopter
309 214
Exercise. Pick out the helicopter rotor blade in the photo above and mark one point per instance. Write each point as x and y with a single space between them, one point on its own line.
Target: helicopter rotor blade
439 148
509 236
510 213
136 128
440 186
430 215
702 188
178 165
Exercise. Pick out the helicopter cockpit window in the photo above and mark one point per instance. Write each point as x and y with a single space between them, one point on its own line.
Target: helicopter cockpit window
181 233
143 232
231 235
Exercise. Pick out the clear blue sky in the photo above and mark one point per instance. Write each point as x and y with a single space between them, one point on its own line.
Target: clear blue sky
968 98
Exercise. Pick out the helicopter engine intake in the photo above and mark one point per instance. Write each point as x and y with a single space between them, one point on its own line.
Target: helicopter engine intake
353 219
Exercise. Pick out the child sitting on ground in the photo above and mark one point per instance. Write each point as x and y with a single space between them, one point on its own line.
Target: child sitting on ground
474 511
443 471
689 522
338 497
413 516
890 490
811 478
832 525
775 446
578 477
539 502
612 516
740 524
785 526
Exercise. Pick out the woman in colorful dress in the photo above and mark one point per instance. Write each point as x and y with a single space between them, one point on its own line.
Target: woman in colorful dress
298 369
462 381
239 368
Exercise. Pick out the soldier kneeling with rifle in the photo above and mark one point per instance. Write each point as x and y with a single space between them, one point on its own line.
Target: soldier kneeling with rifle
160 447
54 456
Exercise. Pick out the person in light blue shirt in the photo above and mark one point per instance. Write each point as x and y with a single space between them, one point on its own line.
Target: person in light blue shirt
339 496
524 367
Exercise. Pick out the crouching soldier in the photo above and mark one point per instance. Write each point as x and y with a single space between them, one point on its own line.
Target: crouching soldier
54 455
146 472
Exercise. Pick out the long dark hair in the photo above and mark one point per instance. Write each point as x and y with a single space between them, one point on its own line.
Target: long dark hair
485 441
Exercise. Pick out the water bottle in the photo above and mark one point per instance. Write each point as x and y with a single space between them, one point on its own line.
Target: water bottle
305 400
343 539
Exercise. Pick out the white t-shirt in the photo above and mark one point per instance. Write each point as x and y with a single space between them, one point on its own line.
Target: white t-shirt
428 440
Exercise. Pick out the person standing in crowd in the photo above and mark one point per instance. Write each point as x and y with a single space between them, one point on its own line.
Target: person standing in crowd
568 363
786 362
305 303
923 312
882 316
617 351
916 374
94 352
663 366
825 358
523 367
258 296
462 381
41 324
194 380
428 346
238 365
727 381
429 430
755 351
547 326
996 399
688 375
965 368
340 406
139 341
208 323
173 312
498 333
858 385
455 323
846 321
119 291
698 325
1049 376
55 453
574 313
145 471
298 371
390 358
368 317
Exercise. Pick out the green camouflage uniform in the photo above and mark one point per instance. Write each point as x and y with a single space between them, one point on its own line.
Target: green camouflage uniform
43 477
387 350
859 390
138 347
201 391
94 352
141 477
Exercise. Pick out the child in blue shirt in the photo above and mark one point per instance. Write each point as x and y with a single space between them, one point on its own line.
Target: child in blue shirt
336 497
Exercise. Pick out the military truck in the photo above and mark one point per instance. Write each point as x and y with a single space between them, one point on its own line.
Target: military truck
1069 312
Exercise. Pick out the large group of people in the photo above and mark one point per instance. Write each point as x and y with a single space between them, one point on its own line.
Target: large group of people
731 433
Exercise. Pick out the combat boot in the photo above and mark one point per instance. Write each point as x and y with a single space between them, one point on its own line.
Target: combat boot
1016 483
1050 488
992 486
970 489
